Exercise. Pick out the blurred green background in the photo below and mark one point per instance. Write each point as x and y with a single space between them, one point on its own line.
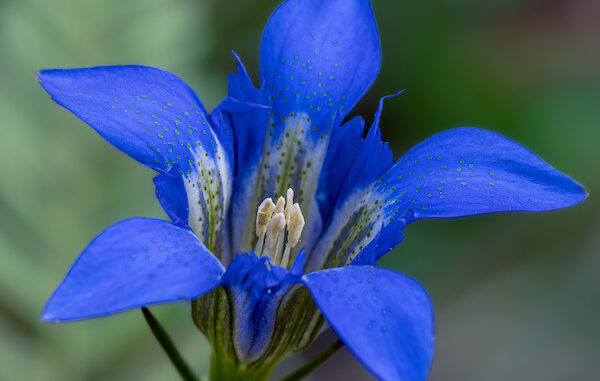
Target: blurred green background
517 296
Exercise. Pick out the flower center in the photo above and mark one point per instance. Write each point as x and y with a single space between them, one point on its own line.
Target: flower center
278 228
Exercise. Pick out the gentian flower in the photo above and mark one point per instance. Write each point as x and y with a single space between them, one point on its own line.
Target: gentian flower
280 210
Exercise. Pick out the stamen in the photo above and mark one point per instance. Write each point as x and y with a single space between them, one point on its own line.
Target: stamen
271 221
294 228
295 225
276 225
289 203
263 217
279 207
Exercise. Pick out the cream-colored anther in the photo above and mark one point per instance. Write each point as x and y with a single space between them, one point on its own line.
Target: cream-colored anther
295 225
275 226
263 216
279 207
289 204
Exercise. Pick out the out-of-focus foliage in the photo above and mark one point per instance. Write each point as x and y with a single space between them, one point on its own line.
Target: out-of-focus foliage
516 296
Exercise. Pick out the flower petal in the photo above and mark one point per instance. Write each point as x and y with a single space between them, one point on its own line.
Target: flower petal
317 60
459 172
319 57
158 120
472 171
150 114
384 318
134 263
468 171
248 119
170 192
344 147
372 160
351 164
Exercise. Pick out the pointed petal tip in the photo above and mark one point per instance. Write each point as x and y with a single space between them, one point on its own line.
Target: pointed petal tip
583 192
391 96
574 193
51 314
42 77
377 118
47 317
47 74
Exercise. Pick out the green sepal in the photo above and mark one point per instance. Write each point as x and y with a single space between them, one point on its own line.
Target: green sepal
297 324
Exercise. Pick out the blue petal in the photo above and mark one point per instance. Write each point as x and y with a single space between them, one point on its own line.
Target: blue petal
352 164
317 60
459 172
248 119
377 118
170 192
248 122
344 146
384 318
319 57
157 119
148 113
241 86
472 171
373 159
134 263
256 289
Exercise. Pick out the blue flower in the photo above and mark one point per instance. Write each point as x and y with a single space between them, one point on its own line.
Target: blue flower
263 285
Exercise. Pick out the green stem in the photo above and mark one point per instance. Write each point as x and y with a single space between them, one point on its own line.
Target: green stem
314 363
167 344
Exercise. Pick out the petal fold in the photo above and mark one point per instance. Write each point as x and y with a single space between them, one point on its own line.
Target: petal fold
170 193
351 165
384 318
134 263
344 147
244 109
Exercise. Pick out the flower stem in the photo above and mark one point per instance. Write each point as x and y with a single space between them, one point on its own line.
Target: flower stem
167 344
314 363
